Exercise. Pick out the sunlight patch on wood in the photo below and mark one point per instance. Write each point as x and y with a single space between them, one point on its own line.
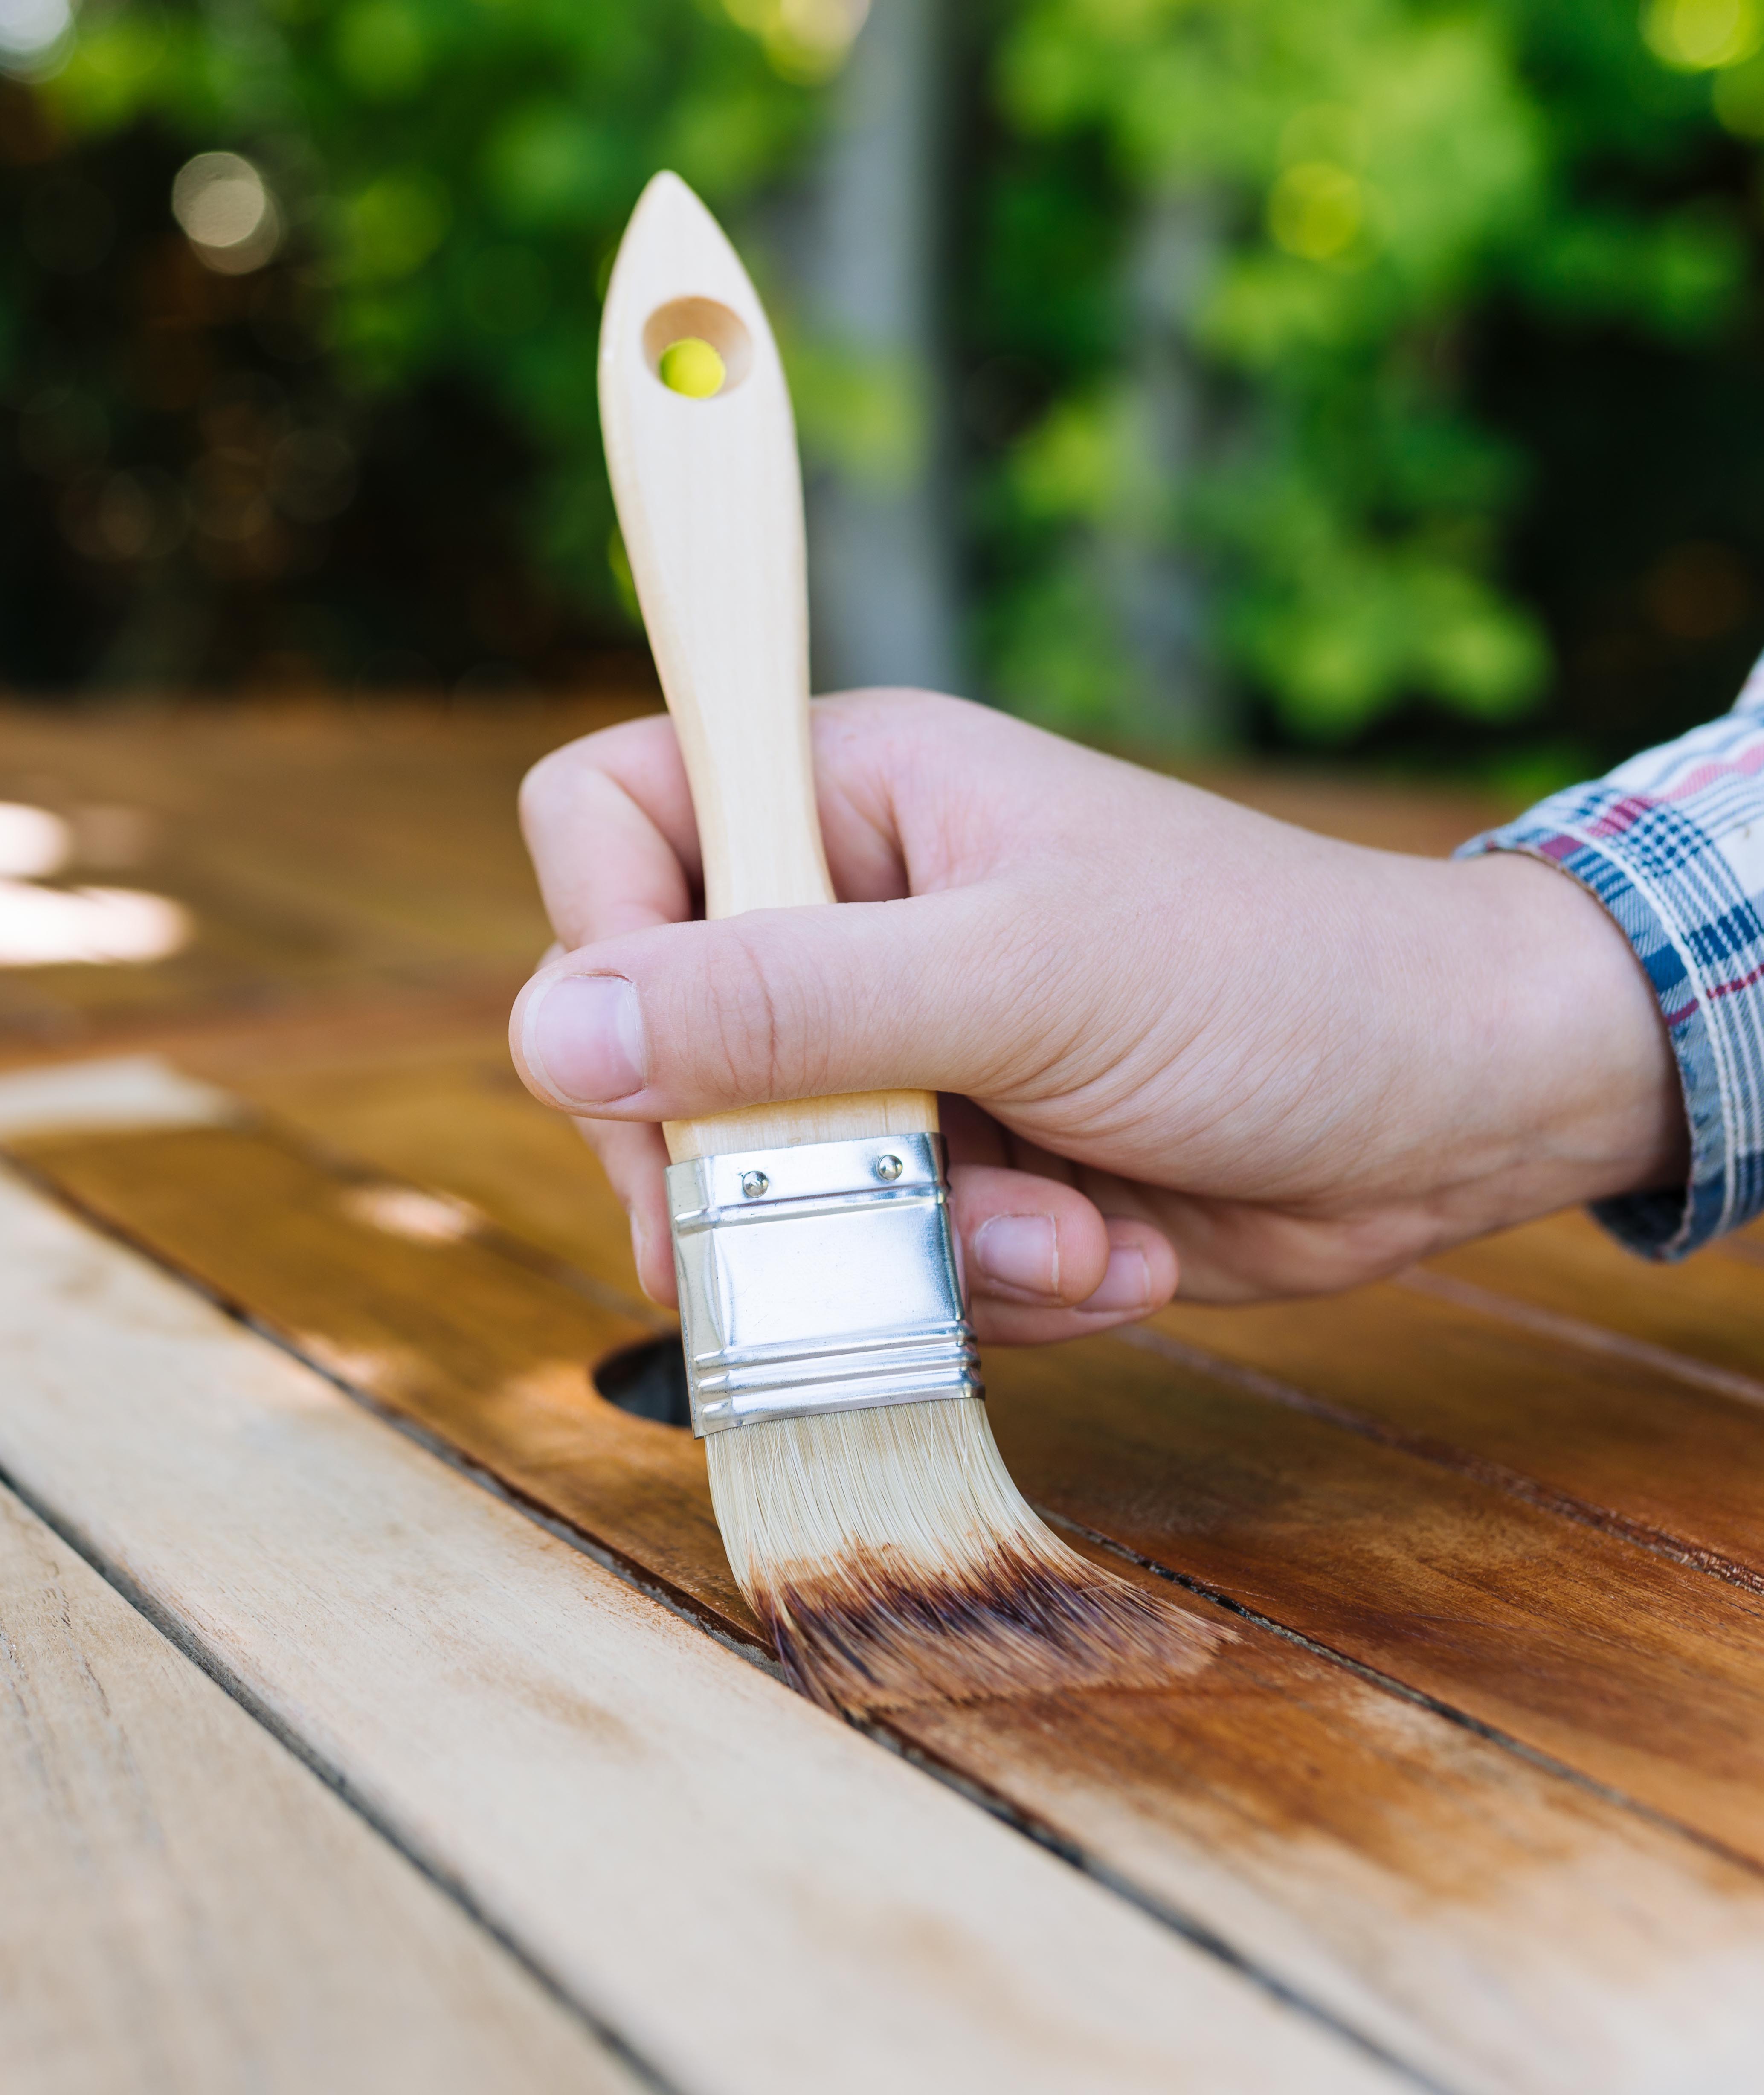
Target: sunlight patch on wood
116 1092
93 926
408 1212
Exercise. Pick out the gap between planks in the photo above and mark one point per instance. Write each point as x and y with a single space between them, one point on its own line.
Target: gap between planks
1576 1331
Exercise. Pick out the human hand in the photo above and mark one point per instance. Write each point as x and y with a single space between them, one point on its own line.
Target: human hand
1178 1036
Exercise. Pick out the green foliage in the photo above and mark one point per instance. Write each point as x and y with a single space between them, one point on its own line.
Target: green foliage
1376 174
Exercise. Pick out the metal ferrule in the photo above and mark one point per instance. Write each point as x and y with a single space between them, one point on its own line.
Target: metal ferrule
818 1279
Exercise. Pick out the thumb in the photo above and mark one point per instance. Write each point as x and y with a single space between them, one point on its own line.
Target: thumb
685 1020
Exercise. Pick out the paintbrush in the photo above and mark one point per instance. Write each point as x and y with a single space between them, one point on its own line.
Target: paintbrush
832 1373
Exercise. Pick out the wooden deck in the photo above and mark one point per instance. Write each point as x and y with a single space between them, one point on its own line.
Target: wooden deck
1473 1799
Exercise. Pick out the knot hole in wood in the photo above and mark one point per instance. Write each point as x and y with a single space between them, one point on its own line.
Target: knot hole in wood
649 1381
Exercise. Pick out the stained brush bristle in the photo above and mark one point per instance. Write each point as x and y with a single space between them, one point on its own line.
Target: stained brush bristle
894 1562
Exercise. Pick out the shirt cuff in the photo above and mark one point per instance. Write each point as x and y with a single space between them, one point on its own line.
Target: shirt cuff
1666 843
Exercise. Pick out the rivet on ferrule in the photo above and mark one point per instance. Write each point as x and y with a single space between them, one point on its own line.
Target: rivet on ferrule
817 1278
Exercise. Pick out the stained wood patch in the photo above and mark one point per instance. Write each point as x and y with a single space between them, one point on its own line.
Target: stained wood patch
324 849
1499 1928
1636 1670
1660 1449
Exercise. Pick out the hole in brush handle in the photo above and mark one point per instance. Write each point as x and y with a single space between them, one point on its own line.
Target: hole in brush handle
704 321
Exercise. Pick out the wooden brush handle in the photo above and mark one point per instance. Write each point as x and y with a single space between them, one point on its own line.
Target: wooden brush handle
710 503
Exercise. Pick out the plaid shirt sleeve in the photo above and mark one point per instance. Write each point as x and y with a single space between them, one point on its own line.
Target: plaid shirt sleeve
1672 844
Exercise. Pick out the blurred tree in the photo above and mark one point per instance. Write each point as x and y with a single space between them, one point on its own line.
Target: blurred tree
865 248
1370 185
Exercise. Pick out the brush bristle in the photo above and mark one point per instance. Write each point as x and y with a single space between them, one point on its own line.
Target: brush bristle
894 1561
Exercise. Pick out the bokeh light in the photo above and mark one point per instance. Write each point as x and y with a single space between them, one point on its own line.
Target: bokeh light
805 40
408 1212
32 842
31 32
42 926
1738 99
225 208
1316 210
1700 36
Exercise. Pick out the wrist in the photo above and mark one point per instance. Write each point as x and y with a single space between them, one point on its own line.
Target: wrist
1580 1073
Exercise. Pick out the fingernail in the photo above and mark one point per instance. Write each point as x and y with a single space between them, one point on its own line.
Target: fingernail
585 1038
1020 1251
1127 1284
639 1253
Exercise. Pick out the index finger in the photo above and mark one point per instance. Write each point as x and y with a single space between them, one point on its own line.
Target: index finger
608 822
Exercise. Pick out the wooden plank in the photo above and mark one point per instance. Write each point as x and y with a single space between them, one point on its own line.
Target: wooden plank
187 1907
1497 1926
1616 1436
444 1110
322 848
439 1327
749 1892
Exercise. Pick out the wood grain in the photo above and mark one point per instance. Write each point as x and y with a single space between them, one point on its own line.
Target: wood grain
1446 1581
187 1907
1499 1928
1586 1420
750 1894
